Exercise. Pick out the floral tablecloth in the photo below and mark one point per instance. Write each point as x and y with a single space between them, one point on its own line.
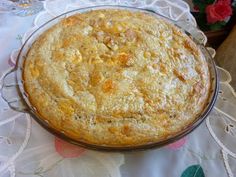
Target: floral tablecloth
26 149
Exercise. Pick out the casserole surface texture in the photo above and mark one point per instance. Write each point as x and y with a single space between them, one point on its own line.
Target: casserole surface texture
116 78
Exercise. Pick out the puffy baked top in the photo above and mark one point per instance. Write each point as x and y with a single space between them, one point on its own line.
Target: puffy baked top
116 78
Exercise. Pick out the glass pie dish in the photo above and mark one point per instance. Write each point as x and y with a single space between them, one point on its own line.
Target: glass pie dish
14 93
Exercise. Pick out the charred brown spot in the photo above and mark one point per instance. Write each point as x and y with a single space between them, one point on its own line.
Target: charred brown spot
126 130
108 86
71 21
125 59
112 130
161 111
95 78
163 68
179 75
189 45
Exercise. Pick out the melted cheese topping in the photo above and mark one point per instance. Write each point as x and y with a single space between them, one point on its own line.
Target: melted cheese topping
116 78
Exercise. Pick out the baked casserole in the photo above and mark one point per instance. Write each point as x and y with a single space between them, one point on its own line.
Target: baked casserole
116 78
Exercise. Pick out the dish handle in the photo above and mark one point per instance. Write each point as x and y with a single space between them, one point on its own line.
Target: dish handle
10 92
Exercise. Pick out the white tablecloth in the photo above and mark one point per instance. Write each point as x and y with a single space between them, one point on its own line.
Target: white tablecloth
26 149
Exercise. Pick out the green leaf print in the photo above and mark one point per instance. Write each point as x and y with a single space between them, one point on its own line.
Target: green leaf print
193 171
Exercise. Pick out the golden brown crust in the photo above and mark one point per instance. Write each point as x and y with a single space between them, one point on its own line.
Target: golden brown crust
116 78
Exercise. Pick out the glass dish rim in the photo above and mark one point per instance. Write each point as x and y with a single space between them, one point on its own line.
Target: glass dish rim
193 125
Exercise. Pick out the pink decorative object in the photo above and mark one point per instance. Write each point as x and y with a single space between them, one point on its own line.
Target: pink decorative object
68 150
218 11
178 144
